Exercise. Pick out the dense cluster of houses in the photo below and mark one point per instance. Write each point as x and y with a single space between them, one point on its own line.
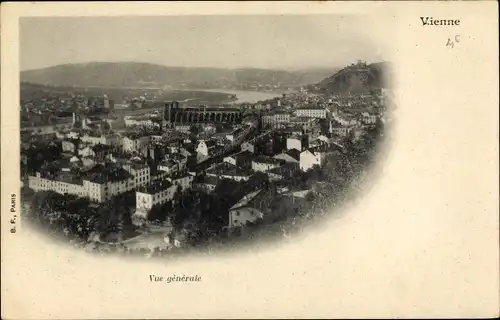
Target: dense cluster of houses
287 136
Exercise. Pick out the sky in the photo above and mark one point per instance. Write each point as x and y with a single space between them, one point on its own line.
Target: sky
270 42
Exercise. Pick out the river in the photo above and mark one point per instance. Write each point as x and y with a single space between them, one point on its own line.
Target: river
246 96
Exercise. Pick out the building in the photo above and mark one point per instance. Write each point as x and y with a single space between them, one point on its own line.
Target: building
173 114
235 134
275 119
140 171
94 139
290 156
241 159
183 128
86 151
268 143
263 163
309 158
251 121
338 129
70 145
135 143
99 184
168 166
250 208
63 182
104 183
208 183
285 171
281 117
158 175
319 141
368 118
206 147
311 112
299 143
344 119
155 194
248 146
229 171
142 121
185 181
179 159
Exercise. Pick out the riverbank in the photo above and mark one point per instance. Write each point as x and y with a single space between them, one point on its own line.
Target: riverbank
244 96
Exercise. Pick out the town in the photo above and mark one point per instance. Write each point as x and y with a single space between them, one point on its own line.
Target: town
184 175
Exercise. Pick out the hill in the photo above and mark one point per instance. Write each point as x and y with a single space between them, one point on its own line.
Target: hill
359 77
132 74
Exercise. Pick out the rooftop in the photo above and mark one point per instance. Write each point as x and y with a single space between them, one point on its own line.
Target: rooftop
251 199
268 160
101 147
137 165
284 168
69 177
209 109
320 148
242 155
246 200
311 108
210 180
100 174
155 187
228 169
210 143
294 153
177 156
168 163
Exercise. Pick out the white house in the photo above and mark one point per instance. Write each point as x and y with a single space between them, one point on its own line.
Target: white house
141 173
251 207
70 185
107 183
308 159
70 145
312 112
368 118
206 147
241 159
86 152
93 140
248 146
209 183
184 181
291 156
135 143
100 184
294 142
179 159
168 166
147 197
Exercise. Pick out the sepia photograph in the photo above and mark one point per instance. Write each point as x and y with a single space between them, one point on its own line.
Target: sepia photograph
250 160
159 135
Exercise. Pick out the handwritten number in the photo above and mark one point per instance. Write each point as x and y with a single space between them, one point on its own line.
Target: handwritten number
451 43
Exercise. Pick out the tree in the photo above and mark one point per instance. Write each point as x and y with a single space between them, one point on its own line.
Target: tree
310 197
194 130
157 213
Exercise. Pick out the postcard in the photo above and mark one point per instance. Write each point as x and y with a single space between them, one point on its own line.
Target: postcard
249 160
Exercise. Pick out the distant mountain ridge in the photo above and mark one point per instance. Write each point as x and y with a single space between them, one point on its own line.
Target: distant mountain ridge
357 77
128 74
